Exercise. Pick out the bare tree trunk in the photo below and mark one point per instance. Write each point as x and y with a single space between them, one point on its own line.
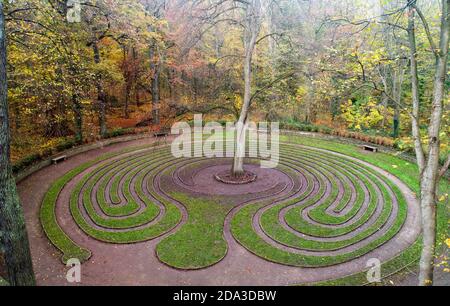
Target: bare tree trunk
129 75
78 114
444 167
252 29
126 111
136 77
137 96
385 106
431 173
429 167
101 99
13 233
396 122
415 91
399 77
156 70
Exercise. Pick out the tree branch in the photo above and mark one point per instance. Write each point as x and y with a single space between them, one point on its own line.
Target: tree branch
272 83
427 30
444 168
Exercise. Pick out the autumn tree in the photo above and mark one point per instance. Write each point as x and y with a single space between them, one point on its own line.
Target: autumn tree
13 233
429 162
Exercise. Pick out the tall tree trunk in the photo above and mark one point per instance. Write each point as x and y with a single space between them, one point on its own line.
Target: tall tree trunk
137 96
252 30
385 95
78 118
101 99
385 106
415 90
13 233
136 77
155 67
396 122
156 97
126 111
129 78
431 172
429 167
399 77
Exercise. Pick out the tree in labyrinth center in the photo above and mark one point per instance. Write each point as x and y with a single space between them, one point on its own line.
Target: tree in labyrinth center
13 234
252 28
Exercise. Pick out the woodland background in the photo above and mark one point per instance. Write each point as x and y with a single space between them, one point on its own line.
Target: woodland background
337 67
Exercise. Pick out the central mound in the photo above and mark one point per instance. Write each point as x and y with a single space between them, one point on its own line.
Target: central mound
227 177
212 177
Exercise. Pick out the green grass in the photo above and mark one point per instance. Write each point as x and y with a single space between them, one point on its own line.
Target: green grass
150 212
3 282
170 219
62 241
408 257
405 171
199 243
257 245
269 222
243 232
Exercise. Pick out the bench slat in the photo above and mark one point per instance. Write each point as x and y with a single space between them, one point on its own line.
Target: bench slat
59 158
370 148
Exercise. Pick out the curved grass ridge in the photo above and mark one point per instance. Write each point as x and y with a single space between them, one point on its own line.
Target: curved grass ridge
407 173
302 226
50 224
62 241
200 242
120 201
312 161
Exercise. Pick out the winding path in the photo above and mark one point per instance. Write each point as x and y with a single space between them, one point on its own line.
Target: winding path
284 192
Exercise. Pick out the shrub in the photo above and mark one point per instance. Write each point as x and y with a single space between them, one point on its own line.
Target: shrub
119 132
326 130
65 145
25 162
46 152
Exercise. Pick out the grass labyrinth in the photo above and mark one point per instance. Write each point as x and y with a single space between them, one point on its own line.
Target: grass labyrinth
326 209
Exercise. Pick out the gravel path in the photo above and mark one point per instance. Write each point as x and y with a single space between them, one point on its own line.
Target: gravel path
137 264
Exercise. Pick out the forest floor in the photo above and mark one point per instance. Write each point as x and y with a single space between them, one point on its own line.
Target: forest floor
225 259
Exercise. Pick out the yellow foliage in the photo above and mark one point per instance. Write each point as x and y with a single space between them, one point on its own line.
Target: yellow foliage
363 116
238 101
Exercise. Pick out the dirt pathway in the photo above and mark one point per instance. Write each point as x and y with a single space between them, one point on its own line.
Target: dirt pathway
137 264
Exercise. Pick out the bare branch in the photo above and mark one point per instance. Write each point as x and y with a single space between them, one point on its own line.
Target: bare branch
444 167
427 30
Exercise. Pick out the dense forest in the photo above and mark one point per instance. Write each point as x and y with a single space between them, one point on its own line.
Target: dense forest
317 65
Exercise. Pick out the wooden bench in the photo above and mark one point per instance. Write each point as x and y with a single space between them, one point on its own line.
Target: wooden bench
162 134
370 148
58 159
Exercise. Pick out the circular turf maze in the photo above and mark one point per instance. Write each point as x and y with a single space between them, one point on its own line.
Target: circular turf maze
317 209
